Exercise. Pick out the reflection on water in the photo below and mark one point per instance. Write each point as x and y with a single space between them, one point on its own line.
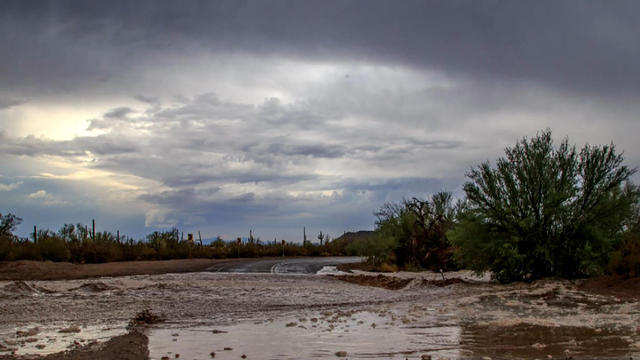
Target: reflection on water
41 339
361 335
366 335
534 341
313 316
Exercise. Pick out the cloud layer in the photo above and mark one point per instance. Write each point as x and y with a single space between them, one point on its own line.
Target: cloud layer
233 115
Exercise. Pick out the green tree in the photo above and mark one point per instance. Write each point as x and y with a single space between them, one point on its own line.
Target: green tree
416 230
545 210
8 224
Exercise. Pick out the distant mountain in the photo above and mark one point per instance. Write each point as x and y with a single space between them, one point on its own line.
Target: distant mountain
351 243
356 235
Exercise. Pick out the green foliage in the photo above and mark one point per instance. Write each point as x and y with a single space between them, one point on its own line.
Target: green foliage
77 244
544 210
625 260
52 247
8 224
24 250
416 232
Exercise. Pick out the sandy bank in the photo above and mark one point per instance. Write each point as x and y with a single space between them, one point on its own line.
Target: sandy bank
131 346
47 270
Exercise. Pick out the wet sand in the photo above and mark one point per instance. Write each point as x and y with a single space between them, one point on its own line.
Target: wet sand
130 346
48 270
274 316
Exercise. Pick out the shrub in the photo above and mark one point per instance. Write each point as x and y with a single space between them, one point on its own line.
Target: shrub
24 250
415 232
626 260
52 247
545 210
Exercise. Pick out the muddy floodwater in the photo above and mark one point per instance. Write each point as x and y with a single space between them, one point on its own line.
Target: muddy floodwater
285 316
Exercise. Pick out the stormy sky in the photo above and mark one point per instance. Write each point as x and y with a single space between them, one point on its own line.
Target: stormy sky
225 116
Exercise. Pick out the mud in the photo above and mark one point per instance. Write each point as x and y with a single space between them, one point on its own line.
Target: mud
617 286
381 281
271 316
130 346
395 283
48 270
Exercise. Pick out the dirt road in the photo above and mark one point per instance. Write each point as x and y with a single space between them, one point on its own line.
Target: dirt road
308 265
275 316
47 270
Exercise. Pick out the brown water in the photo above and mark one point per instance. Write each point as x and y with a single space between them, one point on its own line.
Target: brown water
267 316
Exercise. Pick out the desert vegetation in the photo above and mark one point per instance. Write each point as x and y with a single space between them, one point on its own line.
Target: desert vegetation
79 244
545 209
542 210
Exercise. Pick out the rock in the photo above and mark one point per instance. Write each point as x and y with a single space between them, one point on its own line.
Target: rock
20 288
40 346
212 354
425 357
30 332
243 356
341 353
291 324
228 349
219 331
71 329
97 286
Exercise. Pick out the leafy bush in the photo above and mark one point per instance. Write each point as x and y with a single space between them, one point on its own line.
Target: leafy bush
52 247
545 210
77 244
625 260
415 232
24 250
8 224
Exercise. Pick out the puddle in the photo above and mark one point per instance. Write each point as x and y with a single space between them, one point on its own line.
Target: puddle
330 270
252 311
534 341
38 339
361 335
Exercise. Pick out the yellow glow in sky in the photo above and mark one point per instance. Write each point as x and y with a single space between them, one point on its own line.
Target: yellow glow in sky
53 121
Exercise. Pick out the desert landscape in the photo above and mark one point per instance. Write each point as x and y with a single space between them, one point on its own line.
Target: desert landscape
305 179
359 315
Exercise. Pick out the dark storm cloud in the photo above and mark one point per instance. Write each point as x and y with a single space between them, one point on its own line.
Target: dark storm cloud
282 113
578 45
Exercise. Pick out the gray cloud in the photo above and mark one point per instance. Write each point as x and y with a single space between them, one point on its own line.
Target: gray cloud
7 102
274 114
79 146
572 45
118 113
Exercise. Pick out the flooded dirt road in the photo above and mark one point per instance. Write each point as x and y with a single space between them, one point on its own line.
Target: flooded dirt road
309 265
293 316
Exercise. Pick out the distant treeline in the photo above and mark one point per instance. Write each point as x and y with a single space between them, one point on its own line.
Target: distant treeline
79 244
